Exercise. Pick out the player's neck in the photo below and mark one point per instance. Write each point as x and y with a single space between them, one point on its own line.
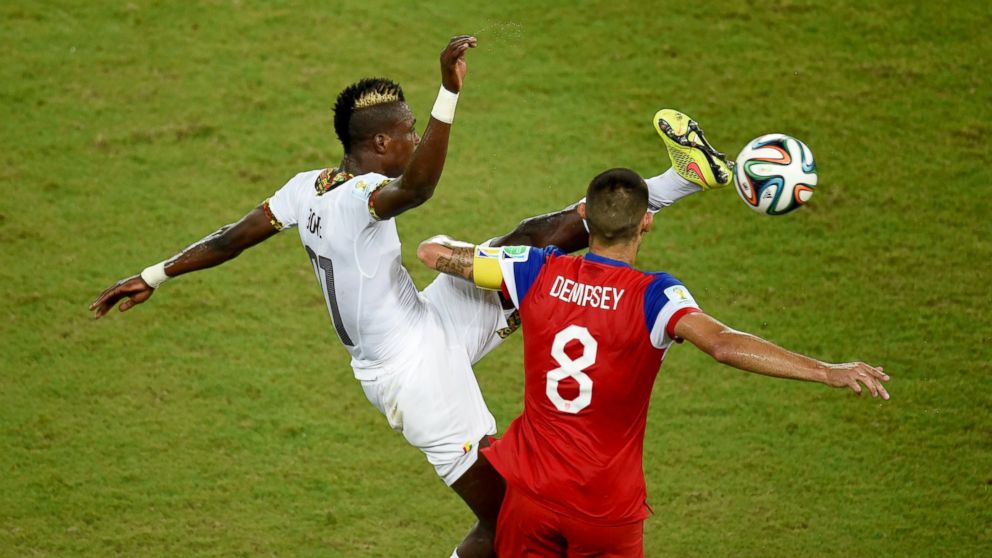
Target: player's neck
357 163
625 252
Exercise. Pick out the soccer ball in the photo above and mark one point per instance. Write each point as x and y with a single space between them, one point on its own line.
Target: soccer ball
775 174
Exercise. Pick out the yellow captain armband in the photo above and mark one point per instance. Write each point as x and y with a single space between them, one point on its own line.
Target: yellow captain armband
486 269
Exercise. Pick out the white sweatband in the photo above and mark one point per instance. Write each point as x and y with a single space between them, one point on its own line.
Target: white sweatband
444 106
154 275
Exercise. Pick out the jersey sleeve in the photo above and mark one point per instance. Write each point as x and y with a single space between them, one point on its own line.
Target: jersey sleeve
365 188
519 267
281 208
666 301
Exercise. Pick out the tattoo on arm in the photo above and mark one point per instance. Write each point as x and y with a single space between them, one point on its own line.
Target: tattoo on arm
459 263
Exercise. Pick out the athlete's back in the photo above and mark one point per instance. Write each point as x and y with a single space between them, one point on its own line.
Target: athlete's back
370 296
595 333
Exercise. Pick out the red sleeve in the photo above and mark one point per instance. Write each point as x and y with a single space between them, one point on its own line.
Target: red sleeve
678 315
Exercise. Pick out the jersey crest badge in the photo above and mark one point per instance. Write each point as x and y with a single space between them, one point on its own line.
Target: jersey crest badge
678 295
361 190
517 253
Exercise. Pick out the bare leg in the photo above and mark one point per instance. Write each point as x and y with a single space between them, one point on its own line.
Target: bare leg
482 488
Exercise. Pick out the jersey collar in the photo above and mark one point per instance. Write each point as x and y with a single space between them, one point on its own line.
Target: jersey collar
607 261
330 179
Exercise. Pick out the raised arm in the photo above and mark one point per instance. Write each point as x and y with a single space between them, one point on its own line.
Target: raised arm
422 173
754 354
216 248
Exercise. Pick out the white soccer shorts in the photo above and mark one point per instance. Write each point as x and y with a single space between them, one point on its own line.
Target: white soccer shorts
432 396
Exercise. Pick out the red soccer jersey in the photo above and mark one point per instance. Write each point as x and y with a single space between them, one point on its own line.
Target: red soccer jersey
595 333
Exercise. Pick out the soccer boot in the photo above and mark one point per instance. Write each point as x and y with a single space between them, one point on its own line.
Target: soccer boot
692 156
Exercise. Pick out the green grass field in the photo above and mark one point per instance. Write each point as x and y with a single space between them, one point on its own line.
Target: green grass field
222 419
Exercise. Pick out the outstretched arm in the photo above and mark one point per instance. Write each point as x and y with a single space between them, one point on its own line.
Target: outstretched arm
754 354
423 172
214 249
447 255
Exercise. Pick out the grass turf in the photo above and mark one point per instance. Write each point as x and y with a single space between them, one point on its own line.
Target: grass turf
221 419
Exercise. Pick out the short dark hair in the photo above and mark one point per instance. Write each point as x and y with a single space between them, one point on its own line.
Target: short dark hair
362 108
616 201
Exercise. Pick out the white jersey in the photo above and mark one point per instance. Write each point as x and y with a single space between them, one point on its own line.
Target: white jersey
369 294
413 352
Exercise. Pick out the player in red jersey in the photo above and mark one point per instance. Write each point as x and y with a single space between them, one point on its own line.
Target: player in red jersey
596 331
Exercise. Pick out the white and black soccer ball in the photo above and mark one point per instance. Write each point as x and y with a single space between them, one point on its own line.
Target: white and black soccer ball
775 174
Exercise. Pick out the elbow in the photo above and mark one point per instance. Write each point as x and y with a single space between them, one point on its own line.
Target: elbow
421 196
419 188
723 349
721 353
731 347
224 242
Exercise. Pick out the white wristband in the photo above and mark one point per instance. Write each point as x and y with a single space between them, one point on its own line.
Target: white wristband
444 106
155 275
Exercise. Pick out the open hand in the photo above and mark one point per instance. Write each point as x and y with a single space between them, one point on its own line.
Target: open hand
857 374
134 289
453 66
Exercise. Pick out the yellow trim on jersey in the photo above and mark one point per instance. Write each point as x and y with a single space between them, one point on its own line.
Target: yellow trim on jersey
270 216
372 194
486 269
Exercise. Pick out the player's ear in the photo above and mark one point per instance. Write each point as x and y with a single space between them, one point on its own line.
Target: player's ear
380 142
647 221
581 210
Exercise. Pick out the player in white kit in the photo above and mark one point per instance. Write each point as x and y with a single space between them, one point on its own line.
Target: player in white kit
412 351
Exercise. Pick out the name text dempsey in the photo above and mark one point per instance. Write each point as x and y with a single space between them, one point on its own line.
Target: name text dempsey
595 296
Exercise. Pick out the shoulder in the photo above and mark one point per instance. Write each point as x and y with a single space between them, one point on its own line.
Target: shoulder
666 292
309 174
368 181
364 188
307 177
534 252
282 207
661 279
301 180
666 301
663 288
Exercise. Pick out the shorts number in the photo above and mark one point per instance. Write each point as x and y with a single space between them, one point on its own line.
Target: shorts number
569 368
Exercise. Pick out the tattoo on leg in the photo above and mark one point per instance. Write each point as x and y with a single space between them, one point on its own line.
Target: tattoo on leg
460 262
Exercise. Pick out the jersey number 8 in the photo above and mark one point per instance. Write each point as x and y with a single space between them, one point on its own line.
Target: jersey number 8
572 368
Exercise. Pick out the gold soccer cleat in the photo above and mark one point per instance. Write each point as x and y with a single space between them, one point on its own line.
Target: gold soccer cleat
692 156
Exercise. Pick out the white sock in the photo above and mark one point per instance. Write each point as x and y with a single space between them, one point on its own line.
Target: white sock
668 188
454 554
